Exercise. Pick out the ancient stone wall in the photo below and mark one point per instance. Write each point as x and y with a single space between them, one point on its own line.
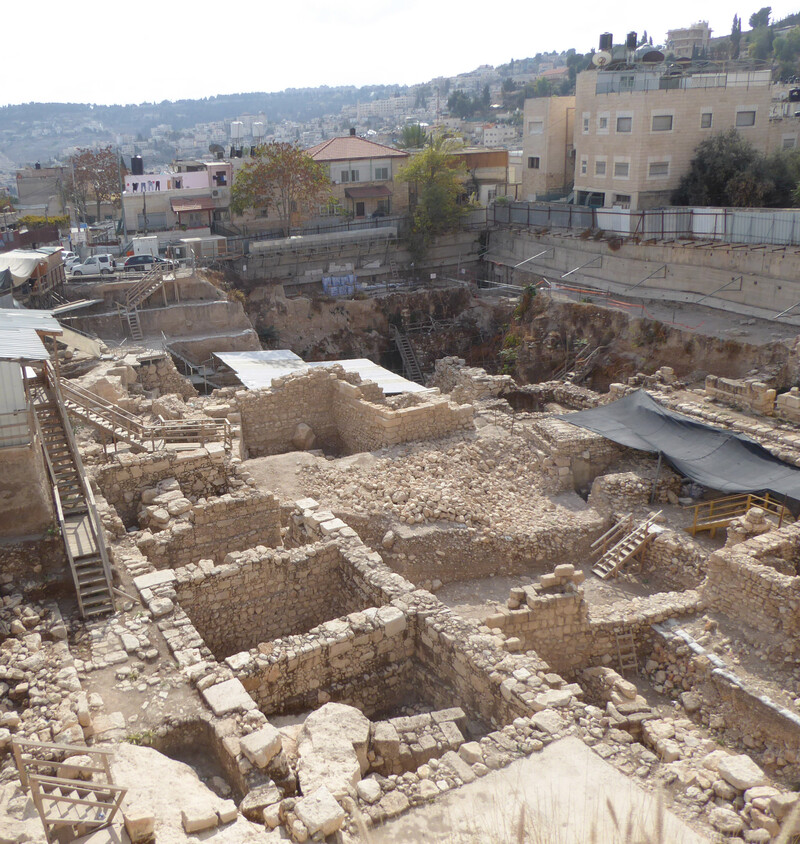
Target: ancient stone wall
675 561
34 560
743 716
623 491
213 528
467 383
570 457
743 584
343 413
160 374
263 594
203 472
553 611
26 500
356 659
747 394
787 405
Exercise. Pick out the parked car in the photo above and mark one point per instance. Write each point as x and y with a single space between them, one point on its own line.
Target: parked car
67 256
96 265
69 263
142 263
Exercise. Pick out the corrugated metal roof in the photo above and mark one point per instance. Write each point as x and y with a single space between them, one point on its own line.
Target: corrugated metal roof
21 344
25 318
257 370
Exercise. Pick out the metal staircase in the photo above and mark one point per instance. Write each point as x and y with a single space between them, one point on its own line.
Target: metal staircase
117 425
632 542
411 367
81 530
149 284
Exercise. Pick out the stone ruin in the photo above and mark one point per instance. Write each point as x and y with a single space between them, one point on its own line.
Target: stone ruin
422 618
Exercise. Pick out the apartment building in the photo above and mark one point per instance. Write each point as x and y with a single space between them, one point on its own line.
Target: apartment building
690 41
636 129
547 147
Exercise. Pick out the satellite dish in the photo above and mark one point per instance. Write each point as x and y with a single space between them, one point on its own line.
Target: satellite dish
601 59
653 57
215 149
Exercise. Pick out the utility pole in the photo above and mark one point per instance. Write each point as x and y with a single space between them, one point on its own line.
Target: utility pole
121 193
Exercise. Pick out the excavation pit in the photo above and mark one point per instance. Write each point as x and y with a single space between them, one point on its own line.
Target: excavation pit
265 594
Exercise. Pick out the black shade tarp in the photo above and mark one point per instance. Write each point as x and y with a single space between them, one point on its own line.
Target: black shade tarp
710 456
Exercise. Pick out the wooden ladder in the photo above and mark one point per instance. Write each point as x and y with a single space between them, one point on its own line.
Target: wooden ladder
626 652
632 543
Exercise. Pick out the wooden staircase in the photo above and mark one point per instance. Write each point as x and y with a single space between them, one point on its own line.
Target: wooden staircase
626 652
69 806
630 542
81 530
411 367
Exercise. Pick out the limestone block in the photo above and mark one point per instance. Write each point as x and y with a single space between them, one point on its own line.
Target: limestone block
228 696
303 437
459 767
471 752
393 620
139 822
741 772
262 745
198 818
385 740
368 790
227 811
320 812
548 721
395 802
725 820
259 799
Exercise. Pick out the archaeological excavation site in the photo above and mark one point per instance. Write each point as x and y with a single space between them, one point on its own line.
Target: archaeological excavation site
468 558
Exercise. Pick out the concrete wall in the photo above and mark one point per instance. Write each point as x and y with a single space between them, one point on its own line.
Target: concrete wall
770 279
551 144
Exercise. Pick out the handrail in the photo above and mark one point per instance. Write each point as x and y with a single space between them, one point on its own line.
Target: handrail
713 513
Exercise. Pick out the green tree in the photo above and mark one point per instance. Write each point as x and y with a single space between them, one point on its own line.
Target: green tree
787 51
413 136
94 173
728 171
461 105
760 18
436 177
761 44
736 37
282 178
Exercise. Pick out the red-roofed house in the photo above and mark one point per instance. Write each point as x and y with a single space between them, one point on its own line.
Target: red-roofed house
363 175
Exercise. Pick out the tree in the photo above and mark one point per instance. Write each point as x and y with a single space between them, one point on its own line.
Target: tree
760 18
94 173
413 136
736 37
280 177
438 178
787 51
728 171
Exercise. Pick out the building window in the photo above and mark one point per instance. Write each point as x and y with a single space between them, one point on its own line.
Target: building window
354 177
599 168
623 199
658 168
621 169
745 118
384 207
705 120
602 123
662 122
626 82
586 118
789 143
584 166
382 174
624 124
533 162
345 175
535 127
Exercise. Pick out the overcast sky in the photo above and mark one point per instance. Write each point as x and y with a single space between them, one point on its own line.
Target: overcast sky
153 50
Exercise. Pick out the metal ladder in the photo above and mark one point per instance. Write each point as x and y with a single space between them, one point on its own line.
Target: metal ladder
411 368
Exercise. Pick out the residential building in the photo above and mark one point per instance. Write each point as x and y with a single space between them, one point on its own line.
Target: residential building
488 173
548 161
363 176
497 134
636 129
41 190
192 195
690 42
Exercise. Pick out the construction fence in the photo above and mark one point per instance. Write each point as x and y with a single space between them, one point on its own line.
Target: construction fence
779 227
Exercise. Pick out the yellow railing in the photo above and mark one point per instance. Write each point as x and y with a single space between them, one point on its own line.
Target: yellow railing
720 512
